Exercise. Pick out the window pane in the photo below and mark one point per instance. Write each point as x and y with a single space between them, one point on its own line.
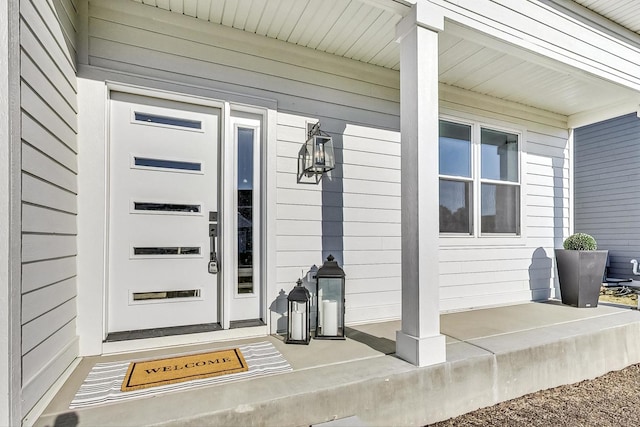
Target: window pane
455 207
499 155
500 209
455 149
245 210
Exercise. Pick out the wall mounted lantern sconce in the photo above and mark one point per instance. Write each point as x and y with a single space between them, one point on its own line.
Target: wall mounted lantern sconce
298 327
330 293
316 155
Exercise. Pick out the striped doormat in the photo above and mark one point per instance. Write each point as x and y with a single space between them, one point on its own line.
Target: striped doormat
103 384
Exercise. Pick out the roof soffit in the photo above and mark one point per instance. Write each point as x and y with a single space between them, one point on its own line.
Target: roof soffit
365 31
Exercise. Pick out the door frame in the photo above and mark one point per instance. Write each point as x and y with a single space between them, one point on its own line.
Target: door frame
94 91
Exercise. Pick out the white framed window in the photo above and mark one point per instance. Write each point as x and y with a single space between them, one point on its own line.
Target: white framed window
480 179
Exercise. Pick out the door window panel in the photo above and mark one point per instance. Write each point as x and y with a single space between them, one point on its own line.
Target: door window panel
165 120
166 295
167 164
167 250
166 207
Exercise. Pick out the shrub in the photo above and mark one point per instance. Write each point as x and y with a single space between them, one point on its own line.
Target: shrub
580 242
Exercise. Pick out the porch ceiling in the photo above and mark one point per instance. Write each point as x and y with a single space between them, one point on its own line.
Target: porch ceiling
472 61
622 12
355 29
364 30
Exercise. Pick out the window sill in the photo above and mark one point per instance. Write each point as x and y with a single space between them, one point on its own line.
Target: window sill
454 241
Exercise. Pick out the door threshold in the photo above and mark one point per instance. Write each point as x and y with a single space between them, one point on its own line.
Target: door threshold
249 323
162 332
218 335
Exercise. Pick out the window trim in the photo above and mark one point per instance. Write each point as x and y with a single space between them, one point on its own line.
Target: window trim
477 237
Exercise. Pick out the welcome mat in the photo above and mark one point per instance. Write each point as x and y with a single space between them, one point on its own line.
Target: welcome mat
104 383
153 373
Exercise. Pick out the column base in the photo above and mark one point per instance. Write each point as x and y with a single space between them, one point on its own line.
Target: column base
421 351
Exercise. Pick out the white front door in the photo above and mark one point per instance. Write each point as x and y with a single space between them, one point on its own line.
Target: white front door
164 173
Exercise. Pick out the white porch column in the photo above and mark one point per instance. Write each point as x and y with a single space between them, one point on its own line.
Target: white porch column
420 342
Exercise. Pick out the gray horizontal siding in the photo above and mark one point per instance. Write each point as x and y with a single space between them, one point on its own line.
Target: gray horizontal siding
607 177
49 188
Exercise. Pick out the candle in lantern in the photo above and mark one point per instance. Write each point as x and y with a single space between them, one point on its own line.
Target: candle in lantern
297 325
319 301
330 317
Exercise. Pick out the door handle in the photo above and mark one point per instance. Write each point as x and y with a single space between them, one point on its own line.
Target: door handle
213 266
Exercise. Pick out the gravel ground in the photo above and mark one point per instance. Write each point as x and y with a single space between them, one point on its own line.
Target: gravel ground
618 297
610 400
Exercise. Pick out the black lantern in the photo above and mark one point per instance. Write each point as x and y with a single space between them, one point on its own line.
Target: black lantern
317 152
299 310
330 301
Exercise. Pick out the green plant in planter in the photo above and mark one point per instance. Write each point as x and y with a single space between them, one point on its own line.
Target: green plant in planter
580 270
580 242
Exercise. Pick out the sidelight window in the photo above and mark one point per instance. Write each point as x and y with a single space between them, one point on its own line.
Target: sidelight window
245 138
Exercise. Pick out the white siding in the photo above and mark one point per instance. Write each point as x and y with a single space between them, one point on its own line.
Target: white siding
606 183
49 128
354 213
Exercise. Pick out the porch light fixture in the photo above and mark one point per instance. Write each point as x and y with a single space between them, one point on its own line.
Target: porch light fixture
316 156
298 328
330 293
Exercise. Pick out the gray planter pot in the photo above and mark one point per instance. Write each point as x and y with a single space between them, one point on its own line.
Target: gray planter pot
580 275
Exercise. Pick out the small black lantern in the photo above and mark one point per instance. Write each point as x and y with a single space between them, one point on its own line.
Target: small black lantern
298 330
330 301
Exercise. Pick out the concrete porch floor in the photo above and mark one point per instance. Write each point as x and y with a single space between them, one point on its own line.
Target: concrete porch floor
493 355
